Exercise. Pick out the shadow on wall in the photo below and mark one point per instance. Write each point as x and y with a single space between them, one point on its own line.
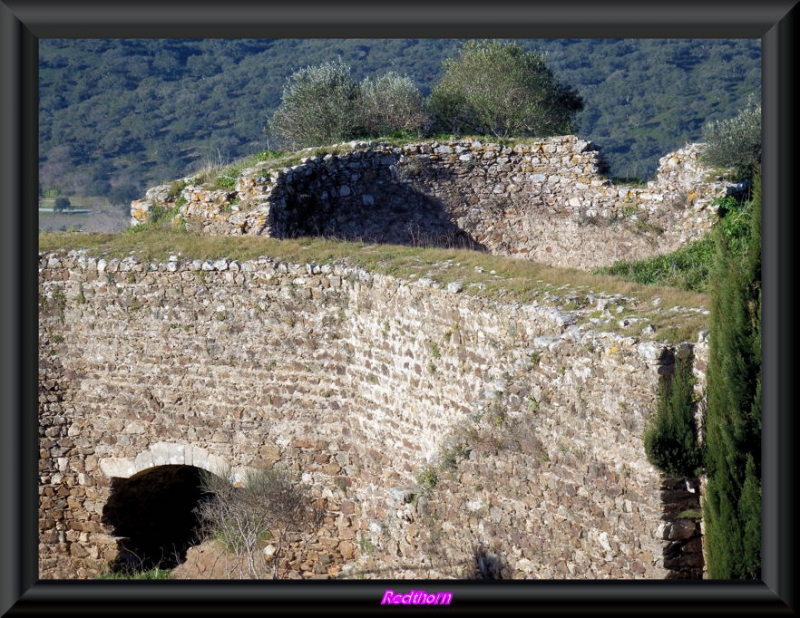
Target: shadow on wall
680 527
388 203
153 512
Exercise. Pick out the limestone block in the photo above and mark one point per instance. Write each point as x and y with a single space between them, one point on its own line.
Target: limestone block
118 467
165 453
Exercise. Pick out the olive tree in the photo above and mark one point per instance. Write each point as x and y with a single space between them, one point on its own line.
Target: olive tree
500 89
391 103
318 107
735 143
324 104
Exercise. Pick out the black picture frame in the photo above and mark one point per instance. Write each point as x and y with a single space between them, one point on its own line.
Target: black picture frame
23 22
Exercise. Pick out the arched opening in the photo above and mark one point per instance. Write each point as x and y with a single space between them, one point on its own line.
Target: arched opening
154 514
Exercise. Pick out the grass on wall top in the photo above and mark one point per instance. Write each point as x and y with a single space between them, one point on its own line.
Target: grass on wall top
676 314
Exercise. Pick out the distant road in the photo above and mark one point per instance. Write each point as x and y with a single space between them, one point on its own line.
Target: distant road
71 211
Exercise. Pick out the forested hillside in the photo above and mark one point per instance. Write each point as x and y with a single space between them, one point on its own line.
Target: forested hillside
120 115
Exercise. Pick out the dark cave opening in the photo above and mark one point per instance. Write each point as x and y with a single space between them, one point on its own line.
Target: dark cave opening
154 514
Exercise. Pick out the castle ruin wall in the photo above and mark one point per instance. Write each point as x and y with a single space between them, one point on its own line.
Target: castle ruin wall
368 388
547 201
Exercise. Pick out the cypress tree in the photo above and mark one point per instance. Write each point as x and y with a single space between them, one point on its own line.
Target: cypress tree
732 428
670 440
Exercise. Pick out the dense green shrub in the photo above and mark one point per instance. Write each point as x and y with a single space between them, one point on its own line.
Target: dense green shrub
736 219
502 90
61 204
735 143
671 438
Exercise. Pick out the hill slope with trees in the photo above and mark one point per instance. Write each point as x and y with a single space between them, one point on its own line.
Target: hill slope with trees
120 115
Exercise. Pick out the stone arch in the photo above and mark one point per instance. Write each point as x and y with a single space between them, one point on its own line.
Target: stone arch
152 515
164 454
152 500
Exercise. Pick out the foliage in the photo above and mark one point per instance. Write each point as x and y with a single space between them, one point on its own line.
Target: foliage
732 428
129 113
736 220
389 104
123 194
502 90
323 104
671 438
159 217
267 506
318 107
735 143
176 187
428 477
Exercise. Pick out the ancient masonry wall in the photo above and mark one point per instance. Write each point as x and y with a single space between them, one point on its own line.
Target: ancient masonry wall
432 424
546 201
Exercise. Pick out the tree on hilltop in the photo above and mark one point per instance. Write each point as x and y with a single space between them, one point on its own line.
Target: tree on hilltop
499 89
391 103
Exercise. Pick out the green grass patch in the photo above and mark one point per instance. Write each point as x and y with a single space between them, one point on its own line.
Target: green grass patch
686 269
428 477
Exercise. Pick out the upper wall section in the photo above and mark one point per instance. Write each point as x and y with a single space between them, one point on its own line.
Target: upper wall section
546 201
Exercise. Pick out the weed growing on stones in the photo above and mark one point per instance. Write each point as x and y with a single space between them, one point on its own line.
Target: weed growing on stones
267 507
428 477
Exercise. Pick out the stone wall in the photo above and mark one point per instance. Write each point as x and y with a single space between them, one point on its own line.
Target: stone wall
444 432
546 201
